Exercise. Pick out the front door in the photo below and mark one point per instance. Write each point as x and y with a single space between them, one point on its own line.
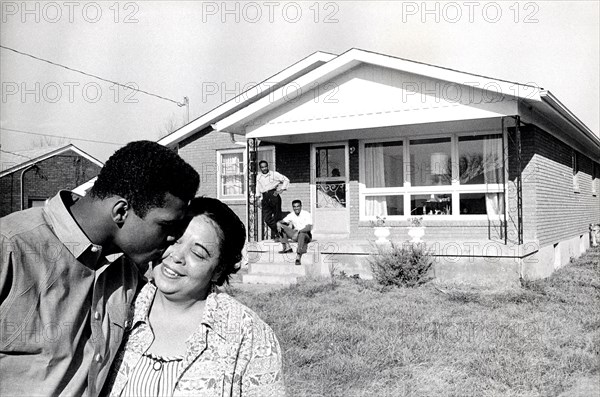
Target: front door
329 189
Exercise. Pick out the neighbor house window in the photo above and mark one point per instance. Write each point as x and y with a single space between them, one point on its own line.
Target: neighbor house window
454 175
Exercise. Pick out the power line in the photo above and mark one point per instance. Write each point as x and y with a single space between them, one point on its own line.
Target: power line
180 104
59 136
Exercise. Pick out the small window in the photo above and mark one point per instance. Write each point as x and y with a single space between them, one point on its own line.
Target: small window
575 162
37 202
595 179
231 174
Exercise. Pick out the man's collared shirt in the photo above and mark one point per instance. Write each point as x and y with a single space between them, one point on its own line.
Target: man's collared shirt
270 181
231 353
299 222
63 306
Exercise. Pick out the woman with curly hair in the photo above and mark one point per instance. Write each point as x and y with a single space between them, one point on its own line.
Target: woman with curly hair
186 337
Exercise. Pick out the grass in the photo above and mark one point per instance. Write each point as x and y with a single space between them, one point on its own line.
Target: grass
348 337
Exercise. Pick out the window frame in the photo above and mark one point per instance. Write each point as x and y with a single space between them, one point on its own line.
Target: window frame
576 170
595 178
455 188
244 150
220 175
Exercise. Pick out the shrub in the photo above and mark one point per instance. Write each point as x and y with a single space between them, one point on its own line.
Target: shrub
407 265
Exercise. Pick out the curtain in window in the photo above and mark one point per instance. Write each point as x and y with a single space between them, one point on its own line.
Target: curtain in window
492 160
374 177
232 174
493 169
494 204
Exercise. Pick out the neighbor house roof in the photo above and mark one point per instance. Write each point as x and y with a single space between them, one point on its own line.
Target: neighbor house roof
17 160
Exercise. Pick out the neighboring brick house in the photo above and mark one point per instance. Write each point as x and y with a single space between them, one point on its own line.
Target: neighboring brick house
505 178
28 178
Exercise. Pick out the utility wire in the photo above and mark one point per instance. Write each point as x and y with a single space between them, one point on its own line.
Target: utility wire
60 136
180 104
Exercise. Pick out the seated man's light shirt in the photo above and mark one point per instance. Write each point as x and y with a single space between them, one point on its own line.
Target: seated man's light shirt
299 222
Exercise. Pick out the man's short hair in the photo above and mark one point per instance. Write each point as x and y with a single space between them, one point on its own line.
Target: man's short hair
296 201
143 172
263 161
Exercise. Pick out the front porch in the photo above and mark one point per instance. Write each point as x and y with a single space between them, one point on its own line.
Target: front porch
483 262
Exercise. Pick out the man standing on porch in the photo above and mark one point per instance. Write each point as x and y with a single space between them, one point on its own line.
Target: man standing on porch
269 185
296 226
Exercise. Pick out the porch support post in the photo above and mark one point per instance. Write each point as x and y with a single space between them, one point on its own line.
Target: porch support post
251 148
504 180
519 181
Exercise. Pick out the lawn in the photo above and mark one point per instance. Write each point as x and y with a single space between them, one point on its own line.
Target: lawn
348 337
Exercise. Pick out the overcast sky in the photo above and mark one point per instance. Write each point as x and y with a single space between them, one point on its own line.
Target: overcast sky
210 51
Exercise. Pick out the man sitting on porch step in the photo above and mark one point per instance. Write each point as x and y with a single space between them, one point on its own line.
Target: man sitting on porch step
269 185
296 226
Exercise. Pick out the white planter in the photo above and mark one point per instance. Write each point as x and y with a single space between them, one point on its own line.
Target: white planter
382 234
416 233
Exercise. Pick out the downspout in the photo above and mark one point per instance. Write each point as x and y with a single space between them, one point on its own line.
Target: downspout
22 183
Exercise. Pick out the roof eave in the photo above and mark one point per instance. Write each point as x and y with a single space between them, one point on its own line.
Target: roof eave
248 97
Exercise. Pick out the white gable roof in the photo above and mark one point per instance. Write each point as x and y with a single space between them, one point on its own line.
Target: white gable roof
266 117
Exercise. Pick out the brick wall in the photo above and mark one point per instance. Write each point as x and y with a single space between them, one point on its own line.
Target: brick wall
201 152
529 175
560 212
64 171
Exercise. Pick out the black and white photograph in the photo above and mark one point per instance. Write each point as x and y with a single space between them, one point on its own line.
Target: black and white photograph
300 198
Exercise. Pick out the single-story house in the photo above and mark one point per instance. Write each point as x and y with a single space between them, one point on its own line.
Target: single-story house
503 176
29 177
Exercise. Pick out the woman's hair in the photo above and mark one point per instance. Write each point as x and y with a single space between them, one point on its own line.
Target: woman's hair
231 232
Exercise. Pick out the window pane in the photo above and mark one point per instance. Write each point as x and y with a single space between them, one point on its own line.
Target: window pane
232 163
430 162
384 205
482 204
331 195
384 164
480 159
266 155
232 174
232 185
431 204
331 161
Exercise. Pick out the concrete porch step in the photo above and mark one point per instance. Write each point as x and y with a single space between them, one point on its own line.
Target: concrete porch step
277 268
274 273
270 278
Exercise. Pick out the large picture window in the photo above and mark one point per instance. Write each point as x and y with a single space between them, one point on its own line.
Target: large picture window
456 175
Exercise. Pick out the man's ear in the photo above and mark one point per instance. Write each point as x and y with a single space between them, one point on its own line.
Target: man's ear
119 211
